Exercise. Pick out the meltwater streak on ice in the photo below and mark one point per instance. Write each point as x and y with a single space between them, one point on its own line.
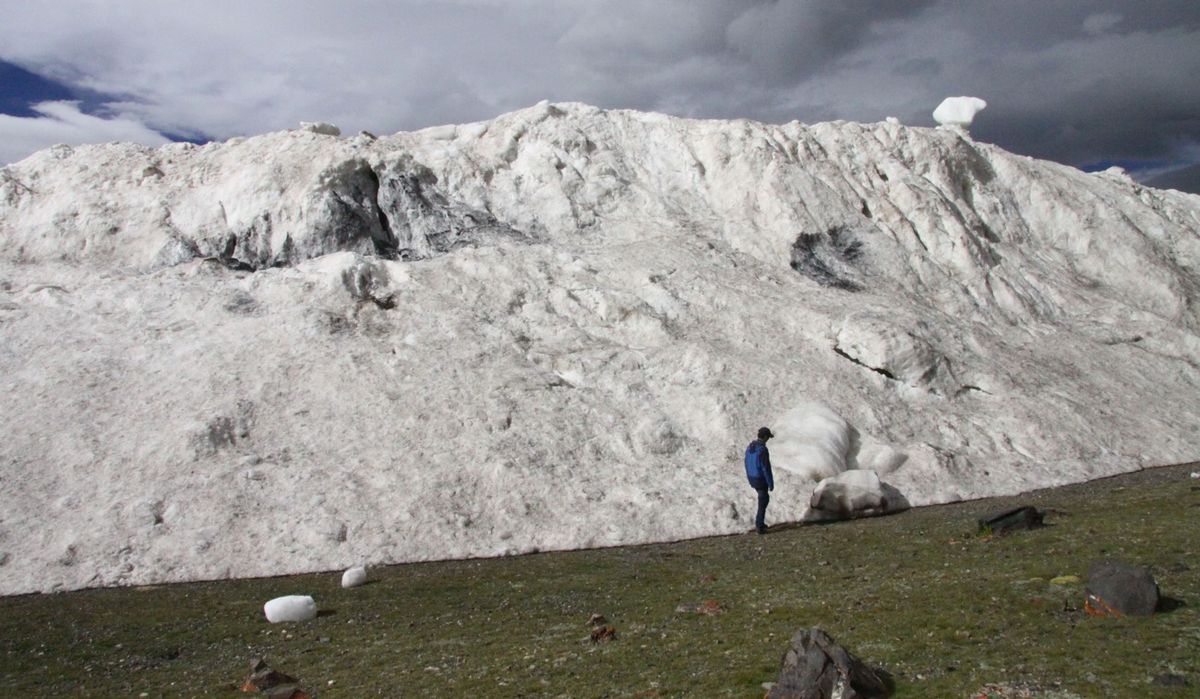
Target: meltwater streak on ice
559 329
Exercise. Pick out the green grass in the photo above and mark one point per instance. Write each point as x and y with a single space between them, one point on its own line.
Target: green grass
919 594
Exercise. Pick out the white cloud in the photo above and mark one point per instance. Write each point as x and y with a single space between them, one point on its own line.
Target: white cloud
1101 22
62 122
236 68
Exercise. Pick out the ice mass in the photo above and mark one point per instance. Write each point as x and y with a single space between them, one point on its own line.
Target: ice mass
558 329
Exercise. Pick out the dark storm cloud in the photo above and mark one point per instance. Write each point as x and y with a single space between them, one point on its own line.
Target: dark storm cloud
787 41
1080 81
1083 82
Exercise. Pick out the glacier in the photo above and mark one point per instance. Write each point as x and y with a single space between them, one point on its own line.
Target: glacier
558 329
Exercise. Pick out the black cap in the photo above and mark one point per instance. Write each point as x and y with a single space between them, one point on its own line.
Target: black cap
764 433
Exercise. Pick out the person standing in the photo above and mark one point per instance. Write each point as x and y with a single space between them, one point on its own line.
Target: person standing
758 472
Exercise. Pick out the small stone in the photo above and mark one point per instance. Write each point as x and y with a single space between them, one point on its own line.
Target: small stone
263 678
708 606
1005 521
1172 680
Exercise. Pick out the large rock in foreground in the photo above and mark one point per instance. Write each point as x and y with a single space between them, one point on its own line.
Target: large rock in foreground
816 667
1119 589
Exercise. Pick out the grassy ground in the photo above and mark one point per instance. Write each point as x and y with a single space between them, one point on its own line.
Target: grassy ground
944 611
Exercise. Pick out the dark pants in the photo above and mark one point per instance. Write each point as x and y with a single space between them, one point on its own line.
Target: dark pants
763 498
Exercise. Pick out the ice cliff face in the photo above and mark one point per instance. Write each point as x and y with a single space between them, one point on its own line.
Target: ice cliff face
559 329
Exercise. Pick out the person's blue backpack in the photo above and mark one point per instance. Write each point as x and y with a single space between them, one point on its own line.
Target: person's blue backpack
758 464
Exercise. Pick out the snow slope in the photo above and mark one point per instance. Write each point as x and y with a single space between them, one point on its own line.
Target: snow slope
559 329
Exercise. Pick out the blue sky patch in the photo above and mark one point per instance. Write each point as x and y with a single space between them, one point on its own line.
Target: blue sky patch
23 88
20 89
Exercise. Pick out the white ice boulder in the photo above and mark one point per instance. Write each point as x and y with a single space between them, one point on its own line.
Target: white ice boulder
354 577
853 493
321 127
813 441
290 608
958 111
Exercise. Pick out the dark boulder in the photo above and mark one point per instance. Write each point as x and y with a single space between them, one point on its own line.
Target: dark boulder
1119 589
263 679
816 667
1005 521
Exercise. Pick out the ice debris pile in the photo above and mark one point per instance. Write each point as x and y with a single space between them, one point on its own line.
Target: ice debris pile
559 329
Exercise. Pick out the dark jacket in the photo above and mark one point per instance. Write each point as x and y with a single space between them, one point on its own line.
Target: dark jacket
758 466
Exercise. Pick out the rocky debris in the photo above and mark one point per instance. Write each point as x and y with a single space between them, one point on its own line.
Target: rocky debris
276 684
1021 690
290 608
708 606
354 577
853 493
1005 521
601 629
367 280
1118 589
816 667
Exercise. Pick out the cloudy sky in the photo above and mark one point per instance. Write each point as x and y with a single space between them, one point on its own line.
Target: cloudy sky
1085 82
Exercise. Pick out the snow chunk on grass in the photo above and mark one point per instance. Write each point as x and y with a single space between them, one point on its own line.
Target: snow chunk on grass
290 608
